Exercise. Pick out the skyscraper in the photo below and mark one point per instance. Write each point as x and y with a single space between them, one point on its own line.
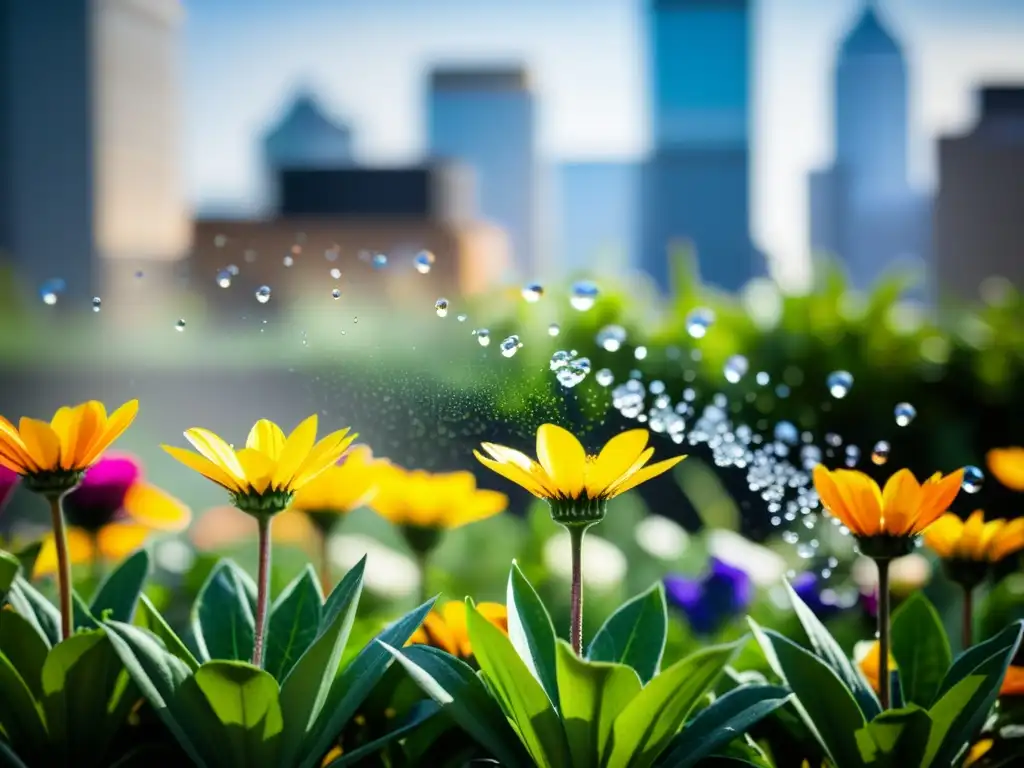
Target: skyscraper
979 218
695 185
862 208
598 207
485 118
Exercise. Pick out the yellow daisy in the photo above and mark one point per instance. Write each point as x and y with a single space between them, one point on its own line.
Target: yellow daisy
1007 464
340 489
263 477
975 540
433 501
448 630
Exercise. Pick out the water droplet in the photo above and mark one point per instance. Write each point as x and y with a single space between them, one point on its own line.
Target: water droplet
640 353
605 377
288 260
839 384
554 329
786 432
441 307
510 345
462 318
233 270
97 303
698 321
584 295
559 360
424 261
263 294
336 294
336 273
51 290
833 439
763 378
974 478
852 455
573 373
379 261
483 336
224 278
533 292
880 453
736 368
905 413
180 325
611 338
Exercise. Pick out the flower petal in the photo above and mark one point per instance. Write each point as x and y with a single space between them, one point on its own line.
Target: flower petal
614 461
644 474
15 447
969 546
1010 540
944 534
80 551
267 438
519 459
216 450
563 458
118 540
324 455
206 468
901 502
1007 464
479 505
155 508
295 451
113 428
42 443
258 467
515 473
937 494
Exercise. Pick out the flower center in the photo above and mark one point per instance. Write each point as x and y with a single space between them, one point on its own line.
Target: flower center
55 482
266 504
581 511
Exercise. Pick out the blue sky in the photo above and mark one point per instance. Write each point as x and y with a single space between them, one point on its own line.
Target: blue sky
367 60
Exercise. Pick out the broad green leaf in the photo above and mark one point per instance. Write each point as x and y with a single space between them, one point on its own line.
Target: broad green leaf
81 616
520 695
976 655
243 701
20 717
294 623
921 650
25 649
7 757
419 716
723 720
531 632
86 697
358 679
9 567
160 675
462 695
222 617
305 690
822 699
828 650
150 755
119 592
39 611
647 724
593 694
338 601
635 634
962 710
897 737
148 617
28 555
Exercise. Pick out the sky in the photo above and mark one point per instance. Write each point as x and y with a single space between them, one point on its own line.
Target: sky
367 61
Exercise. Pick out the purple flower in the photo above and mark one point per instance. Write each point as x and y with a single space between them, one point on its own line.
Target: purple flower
8 482
100 497
808 586
708 602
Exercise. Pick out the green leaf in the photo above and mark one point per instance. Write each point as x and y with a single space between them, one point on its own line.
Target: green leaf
7 757
119 592
243 702
222 617
464 698
635 634
829 651
963 709
822 699
421 714
897 737
305 690
86 697
531 632
148 617
647 724
521 697
920 648
39 611
970 659
81 616
20 717
723 720
28 555
294 623
9 567
593 695
25 649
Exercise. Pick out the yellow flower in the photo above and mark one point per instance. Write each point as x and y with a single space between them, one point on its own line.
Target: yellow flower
904 509
52 455
1007 464
424 500
263 477
340 489
871 662
978 750
975 540
146 510
447 629
576 484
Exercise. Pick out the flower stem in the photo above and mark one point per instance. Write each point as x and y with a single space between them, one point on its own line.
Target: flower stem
60 536
576 621
422 562
262 589
325 564
968 617
884 678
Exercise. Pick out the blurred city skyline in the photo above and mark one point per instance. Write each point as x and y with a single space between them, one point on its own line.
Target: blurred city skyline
368 63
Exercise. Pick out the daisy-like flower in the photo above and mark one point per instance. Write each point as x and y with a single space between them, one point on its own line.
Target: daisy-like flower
870 665
577 486
1007 464
51 458
1013 682
447 629
262 480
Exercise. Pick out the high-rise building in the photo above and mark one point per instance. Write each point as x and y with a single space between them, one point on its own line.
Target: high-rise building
485 118
90 137
979 214
598 209
862 208
695 186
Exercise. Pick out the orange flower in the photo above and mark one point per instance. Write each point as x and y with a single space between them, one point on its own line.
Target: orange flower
448 629
1013 682
975 540
871 662
1007 464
